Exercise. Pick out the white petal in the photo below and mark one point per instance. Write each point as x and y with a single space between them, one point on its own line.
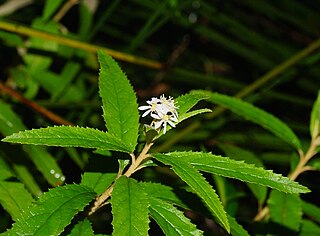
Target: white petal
146 113
173 118
171 123
142 108
155 116
157 124
164 128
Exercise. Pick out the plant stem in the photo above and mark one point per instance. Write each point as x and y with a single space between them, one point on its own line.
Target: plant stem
64 9
35 106
18 29
300 168
135 165
270 75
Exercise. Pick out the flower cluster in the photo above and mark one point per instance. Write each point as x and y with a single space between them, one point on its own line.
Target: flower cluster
163 111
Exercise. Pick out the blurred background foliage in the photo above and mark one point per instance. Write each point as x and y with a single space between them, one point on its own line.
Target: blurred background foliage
266 52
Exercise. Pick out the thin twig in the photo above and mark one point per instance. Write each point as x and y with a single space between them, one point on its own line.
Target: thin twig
300 168
143 155
45 112
272 74
64 9
80 45
135 165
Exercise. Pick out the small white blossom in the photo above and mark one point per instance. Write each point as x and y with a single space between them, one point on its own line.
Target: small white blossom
163 110
153 106
163 119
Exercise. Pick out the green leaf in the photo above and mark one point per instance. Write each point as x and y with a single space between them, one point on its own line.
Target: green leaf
162 192
311 210
237 169
50 8
315 118
199 186
189 100
45 163
82 228
309 228
14 198
234 152
285 209
193 113
235 228
53 211
170 219
120 108
69 72
129 208
97 181
68 136
256 115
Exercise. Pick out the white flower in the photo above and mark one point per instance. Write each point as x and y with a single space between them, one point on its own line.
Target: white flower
163 119
168 106
153 105
163 110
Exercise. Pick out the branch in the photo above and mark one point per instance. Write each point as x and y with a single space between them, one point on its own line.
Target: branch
43 111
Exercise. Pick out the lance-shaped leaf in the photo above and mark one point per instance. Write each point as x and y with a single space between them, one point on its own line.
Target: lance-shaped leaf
68 136
82 228
172 221
309 228
285 209
311 210
14 198
129 208
120 108
315 117
256 115
98 181
187 101
162 192
199 186
45 163
235 228
193 113
237 153
53 211
235 169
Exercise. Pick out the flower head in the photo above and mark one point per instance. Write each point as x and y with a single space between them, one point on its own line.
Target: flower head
163 110
152 107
